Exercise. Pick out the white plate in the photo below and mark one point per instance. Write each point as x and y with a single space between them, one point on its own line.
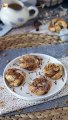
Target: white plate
23 91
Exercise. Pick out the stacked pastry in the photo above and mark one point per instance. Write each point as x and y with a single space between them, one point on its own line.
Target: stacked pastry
57 24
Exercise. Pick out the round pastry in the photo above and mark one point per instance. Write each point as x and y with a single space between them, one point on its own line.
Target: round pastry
54 71
51 28
57 24
15 77
29 62
52 25
40 86
54 21
67 24
57 28
61 23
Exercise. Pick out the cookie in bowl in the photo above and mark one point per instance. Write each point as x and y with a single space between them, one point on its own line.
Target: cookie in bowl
30 62
40 86
57 24
54 71
14 77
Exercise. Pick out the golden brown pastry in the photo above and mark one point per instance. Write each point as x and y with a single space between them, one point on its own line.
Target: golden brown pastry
57 28
57 24
30 62
61 23
51 28
14 77
54 71
67 24
40 86
54 21
52 25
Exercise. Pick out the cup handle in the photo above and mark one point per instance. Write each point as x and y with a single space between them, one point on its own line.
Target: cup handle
34 9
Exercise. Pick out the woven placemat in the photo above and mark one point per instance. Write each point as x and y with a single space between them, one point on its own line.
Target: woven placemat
54 114
27 40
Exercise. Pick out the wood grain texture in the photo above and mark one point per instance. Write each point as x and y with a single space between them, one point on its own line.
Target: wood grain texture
27 40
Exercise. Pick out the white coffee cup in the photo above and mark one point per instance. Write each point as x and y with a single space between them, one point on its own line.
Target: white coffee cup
16 16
